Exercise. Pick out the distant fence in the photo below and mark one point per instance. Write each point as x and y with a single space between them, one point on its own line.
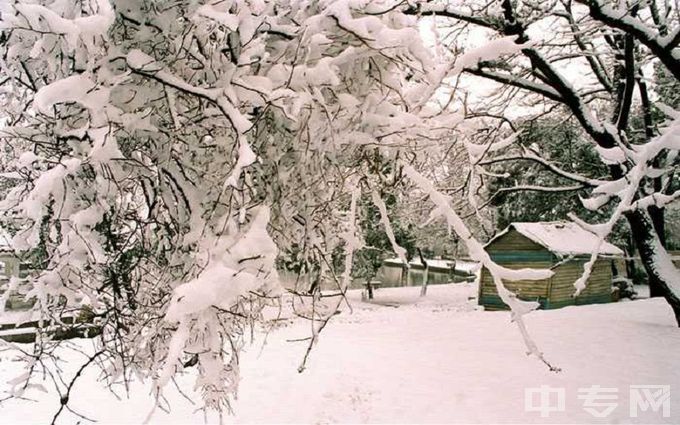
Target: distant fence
439 272
389 274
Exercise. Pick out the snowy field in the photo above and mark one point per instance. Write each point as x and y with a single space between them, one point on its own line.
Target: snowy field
403 359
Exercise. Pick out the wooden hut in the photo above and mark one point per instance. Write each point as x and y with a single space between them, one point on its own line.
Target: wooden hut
562 247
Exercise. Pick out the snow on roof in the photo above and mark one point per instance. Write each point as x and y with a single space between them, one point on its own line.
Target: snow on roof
562 238
5 241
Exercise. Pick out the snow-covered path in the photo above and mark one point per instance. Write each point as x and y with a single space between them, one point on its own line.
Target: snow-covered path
437 359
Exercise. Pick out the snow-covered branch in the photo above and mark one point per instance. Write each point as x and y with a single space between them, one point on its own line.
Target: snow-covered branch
477 252
521 83
530 156
662 47
627 189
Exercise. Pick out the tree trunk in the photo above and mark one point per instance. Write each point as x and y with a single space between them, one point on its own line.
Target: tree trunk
648 243
403 281
657 216
423 288
655 213
369 288
631 267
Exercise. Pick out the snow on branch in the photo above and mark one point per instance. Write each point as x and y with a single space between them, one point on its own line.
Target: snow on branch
626 189
534 188
530 156
145 65
494 49
238 265
662 47
385 220
491 50
41 18
78 88
658 200
477 253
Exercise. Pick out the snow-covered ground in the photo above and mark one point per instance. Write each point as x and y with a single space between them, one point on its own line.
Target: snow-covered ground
405 359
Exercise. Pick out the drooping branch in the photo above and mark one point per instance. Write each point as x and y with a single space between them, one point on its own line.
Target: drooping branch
538 188
531 188
477 252
146 66
590 182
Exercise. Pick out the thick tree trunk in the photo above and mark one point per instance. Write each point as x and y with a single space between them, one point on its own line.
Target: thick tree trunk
657 216
648 243
659 222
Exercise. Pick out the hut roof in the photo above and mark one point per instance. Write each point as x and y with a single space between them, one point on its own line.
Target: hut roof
561 238
5 241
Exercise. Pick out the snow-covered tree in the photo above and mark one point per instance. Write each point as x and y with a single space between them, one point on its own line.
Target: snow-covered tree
172 153
589 58
174 149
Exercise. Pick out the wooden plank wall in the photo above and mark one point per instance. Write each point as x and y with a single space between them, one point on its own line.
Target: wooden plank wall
598 287
525 289
513 242
551 293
